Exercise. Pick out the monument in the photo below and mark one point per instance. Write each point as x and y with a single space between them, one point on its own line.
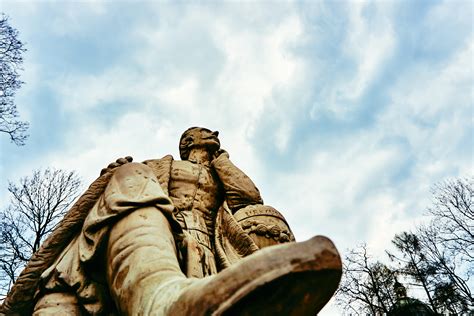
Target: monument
408 306
176 237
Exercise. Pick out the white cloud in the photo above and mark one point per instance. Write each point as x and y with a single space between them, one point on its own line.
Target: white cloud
182 96
432 109
167 99
136 134
447 24
81 92
352 186
21 10
254 64
370 43
342 183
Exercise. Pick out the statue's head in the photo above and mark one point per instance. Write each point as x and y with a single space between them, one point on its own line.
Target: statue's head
198 137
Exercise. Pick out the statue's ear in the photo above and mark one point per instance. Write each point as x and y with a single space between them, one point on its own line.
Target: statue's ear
188 141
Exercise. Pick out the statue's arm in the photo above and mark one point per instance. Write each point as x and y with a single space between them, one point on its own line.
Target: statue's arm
240 191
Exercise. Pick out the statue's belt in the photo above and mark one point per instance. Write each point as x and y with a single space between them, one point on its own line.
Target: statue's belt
202 237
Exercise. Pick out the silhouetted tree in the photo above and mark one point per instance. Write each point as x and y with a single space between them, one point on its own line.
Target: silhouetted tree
37 204
437 257
11 50
366 286
413 263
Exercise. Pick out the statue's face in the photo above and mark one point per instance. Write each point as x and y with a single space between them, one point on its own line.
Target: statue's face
202 137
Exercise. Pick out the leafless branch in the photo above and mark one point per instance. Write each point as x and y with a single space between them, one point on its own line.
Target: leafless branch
37 204
11 58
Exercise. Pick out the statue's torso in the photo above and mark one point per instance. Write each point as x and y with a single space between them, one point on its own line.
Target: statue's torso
197 195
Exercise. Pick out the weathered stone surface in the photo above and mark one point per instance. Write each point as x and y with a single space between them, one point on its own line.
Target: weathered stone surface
265 225
167 237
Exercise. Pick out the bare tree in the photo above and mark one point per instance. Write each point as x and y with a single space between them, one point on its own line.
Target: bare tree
11 50
366 286
451 292
453 214
37 204
448 244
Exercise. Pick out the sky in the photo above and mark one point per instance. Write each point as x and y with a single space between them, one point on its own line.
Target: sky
344 113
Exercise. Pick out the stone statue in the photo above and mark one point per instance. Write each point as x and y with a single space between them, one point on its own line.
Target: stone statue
176 237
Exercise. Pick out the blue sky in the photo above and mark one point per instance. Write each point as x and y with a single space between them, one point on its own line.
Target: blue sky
344 114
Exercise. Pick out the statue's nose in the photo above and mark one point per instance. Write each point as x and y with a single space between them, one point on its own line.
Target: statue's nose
215 133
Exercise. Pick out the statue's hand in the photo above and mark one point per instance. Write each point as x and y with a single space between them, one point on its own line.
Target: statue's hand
220 152
117 163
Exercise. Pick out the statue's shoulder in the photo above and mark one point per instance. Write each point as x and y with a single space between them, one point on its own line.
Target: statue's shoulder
161 168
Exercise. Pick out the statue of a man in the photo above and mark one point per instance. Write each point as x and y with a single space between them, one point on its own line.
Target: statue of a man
161 239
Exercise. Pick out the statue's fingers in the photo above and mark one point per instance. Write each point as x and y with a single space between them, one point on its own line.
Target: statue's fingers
224 152
113 165
122 161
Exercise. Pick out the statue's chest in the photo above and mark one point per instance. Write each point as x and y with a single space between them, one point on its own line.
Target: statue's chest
194 188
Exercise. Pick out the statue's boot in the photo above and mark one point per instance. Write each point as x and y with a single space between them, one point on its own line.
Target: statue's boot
145 277
290 279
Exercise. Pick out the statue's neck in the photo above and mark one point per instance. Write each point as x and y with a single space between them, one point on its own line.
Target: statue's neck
200 156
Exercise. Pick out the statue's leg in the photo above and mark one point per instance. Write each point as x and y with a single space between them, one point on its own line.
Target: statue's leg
57 304
290 279
142 266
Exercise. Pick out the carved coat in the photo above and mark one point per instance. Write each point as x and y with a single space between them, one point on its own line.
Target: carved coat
79 268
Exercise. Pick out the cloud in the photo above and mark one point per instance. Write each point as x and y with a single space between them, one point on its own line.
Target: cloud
137 134
350 48
341 188
370 179
431 107
445 27
370 42
222 80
